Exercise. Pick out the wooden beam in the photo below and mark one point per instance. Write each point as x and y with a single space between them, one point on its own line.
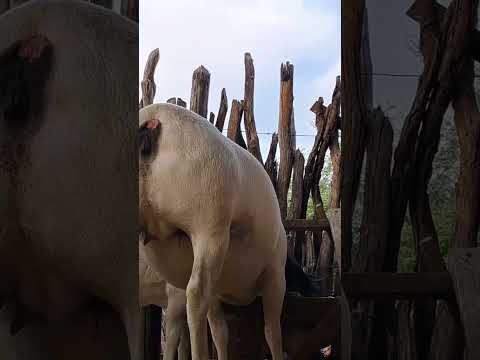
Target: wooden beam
304 322
398 286
306 225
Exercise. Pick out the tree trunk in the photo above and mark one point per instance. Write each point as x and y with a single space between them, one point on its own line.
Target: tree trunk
199 94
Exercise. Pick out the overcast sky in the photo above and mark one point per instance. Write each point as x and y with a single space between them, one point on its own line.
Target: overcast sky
217 33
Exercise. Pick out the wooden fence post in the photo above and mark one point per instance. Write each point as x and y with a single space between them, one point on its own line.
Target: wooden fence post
234 130
271 163
248 117
148 83
222 111
296 204
199 94
285 135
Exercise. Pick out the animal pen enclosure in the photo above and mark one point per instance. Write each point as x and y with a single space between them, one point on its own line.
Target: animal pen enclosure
315 250
432 312
429 322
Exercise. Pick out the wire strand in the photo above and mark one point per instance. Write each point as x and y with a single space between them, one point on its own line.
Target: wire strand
271 133
401 75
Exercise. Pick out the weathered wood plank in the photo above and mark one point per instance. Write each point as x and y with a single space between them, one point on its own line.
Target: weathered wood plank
464 267
398 285
303 326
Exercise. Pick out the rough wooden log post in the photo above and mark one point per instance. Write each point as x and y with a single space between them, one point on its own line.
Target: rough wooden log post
320 111
467 121
285 136
374 229
296 203
222 111
325 254
452 55
181 103
335 156
4 6
464 267
200 88
253 144
130 9
234 131
375 221
271 163
447 336
328 129
354 115
148 83
177 101
335 185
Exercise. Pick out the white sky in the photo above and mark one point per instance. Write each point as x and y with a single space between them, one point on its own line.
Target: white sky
217 33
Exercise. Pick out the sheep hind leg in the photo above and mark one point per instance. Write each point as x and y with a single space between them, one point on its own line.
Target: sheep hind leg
209 255
273 294
219 327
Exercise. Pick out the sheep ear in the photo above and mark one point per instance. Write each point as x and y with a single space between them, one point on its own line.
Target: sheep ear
24 70
148 135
